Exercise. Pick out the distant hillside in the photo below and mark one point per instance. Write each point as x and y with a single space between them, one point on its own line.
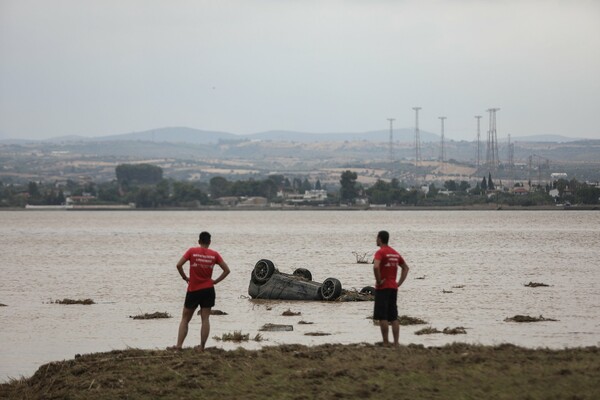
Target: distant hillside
400 135
173 135
544 138
197 136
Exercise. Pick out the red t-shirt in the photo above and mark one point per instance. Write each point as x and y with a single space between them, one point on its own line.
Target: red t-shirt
390 260
202 262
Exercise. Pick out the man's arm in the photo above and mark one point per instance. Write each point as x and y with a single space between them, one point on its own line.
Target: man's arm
403 274
377 272
225 272
180 269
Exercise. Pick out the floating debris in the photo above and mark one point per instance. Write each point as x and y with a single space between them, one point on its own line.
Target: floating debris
459 330
276 328
420 277
3 305
355 295
406 320
155 315
258 338
361 258
458 287
290 313
536 284
527 318
305 323
317 334
447 291
216 312
427 331
71 301
236 336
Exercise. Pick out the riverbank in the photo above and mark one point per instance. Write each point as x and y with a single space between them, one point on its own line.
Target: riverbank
320 372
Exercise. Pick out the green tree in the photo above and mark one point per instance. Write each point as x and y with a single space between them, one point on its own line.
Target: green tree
490 183
451 185
306 186
128 174
219 187
349 188
464 186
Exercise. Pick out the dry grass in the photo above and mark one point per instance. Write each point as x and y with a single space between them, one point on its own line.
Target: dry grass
358 371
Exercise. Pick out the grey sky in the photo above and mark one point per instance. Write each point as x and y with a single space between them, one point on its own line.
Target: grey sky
99 67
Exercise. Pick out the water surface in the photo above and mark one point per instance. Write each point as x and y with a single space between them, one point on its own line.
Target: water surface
125 261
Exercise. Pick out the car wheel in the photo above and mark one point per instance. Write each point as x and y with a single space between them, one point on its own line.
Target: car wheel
304 273
368 290
262 271
331 289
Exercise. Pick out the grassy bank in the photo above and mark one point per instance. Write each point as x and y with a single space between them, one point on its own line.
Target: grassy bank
322 372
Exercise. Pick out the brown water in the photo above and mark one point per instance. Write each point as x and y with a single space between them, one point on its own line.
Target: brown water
125 262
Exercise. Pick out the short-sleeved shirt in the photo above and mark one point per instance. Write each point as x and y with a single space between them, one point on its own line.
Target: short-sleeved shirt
390 259
202 262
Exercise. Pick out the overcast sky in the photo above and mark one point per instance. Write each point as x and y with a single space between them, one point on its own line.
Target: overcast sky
100 67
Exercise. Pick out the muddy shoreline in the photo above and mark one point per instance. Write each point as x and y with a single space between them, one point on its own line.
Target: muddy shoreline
320 372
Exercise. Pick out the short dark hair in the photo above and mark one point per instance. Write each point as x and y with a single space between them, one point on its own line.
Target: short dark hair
384 236
204 238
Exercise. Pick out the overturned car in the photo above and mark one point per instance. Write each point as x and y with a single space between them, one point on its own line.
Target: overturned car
267 282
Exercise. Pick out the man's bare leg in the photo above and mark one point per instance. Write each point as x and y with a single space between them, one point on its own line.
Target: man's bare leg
384 326
205 329
186 317
396 332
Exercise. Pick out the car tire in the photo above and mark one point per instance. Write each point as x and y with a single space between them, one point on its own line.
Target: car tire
262 272
303 273
331 289
368 290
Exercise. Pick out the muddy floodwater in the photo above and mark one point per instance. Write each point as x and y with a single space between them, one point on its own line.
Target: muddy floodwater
468 269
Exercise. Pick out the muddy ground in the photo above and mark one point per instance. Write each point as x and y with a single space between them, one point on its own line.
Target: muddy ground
358 371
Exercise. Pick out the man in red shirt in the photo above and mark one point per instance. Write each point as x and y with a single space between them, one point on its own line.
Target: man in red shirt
200 290
385 268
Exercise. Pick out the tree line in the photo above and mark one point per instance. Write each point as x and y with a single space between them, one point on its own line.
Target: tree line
144 185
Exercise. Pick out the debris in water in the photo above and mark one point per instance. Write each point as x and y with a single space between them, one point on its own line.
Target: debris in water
290 313
215 312
406 320
355 295
155 315
447 291
276 328
317 334
536 284
459 330
527 318
427 331
236 336
71 301
361 258
305 323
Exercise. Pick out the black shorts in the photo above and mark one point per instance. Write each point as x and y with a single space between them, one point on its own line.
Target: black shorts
386 308
205 298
